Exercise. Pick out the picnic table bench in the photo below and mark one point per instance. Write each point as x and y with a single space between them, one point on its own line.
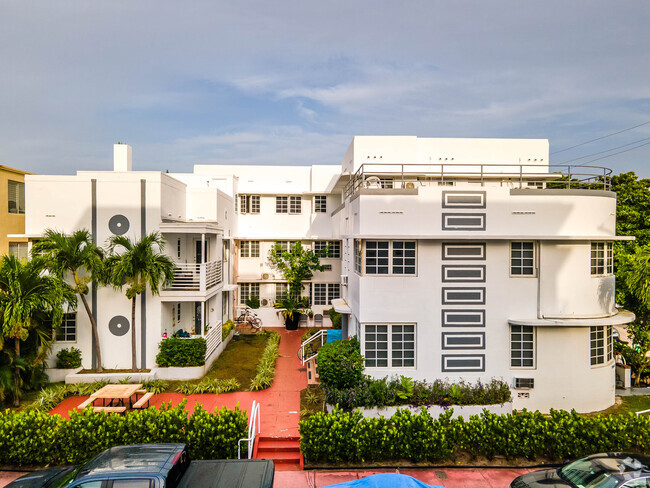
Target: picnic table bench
118 394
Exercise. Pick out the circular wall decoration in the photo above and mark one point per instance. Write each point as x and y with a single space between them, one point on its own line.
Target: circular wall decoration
119 325
118 224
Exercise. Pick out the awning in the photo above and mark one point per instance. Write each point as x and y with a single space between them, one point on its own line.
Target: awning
341 306
620 318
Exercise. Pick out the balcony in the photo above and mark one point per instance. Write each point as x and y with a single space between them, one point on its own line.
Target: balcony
196 277
410 176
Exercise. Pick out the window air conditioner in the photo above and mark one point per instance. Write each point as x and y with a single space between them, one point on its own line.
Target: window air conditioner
344 280
524 383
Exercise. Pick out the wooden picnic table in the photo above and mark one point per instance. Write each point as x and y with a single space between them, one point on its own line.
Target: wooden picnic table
117 392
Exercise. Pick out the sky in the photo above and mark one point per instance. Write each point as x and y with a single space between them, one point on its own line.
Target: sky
291 82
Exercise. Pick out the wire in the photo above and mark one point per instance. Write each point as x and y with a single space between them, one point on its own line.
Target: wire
602 152
603 137
610 155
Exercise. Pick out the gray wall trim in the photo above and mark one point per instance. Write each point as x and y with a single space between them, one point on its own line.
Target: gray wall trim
463 199
462 318
464 221
143 303
463 363
463 273
463 340
573 192
446 246
463 295
93 292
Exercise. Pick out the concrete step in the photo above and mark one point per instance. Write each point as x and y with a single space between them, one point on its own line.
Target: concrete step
284 451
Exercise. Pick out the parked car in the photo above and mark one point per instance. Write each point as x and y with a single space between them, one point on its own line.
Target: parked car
152 466
606 470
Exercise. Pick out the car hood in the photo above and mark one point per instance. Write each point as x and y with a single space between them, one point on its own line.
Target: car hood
36 479
546 478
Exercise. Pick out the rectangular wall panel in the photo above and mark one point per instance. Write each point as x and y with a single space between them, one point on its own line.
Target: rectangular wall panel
463 199
463 318
463 221
463 362
463 296
463 340
463 251
463 273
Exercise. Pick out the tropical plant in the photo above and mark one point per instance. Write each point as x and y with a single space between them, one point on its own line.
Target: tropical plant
77 256
340 364
68 358
140 264
29 300
253 302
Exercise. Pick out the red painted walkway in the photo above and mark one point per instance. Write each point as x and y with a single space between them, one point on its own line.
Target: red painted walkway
279 404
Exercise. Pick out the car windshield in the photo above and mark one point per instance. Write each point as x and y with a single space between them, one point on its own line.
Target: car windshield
591 473
65 478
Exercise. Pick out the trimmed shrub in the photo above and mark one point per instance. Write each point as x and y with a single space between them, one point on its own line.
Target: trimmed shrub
348 437
226 328
340 364
253 302
34 437
68 358
175 351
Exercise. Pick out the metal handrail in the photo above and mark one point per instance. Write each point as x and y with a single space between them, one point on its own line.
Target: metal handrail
321 334
255 416
568 176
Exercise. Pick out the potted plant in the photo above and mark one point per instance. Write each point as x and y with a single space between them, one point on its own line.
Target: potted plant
297 264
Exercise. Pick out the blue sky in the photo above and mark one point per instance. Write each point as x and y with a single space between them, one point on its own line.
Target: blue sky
291 82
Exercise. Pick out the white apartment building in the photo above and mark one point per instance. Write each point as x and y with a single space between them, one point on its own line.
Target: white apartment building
458 259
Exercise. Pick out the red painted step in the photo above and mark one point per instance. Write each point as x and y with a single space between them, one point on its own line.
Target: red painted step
284 451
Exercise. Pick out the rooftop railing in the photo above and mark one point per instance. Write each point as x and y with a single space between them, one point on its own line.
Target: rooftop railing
539 176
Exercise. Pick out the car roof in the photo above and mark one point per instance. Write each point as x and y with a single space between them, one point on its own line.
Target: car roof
134 459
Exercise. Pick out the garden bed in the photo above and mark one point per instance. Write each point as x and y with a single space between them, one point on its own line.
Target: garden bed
435 411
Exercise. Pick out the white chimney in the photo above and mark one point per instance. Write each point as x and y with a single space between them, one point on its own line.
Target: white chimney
121 157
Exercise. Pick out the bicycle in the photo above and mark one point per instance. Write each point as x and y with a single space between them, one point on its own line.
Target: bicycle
248 317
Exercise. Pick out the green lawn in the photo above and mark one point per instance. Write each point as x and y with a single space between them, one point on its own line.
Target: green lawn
629 404
239 360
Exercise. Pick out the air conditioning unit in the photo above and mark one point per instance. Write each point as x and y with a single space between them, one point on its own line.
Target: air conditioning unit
344 280
524 383
266 302
266 276
409 185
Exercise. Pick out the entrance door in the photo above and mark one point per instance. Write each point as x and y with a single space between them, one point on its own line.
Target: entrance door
201 252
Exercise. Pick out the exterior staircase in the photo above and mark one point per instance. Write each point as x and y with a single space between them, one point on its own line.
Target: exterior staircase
284 451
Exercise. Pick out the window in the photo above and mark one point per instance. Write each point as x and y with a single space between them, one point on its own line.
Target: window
282 246
357 256
601 347
386 182
390 257
327 267
334 248
389 344
18 249
178 313
522 258
16 197
249 204
68 330
281 291
324 293
178 248
522 346
284 204
320 204
250 249
135 483
248 290
602 258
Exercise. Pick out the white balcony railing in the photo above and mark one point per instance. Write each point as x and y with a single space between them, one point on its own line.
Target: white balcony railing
212 339
196 277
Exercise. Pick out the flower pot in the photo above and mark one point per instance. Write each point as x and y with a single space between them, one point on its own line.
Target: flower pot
292 323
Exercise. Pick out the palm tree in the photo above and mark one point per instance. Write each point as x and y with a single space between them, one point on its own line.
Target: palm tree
79 256
139 266
28 296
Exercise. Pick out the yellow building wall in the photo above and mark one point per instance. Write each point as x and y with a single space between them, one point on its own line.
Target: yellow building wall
10 223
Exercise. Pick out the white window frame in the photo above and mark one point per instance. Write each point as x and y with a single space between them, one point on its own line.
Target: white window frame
601 258
69 321
324 293
520 343
334 248
358 256
601 345
16 194
295 205
390 260
281 291
390 351
249 204
19 250
320 203
248 290
530 262
249 249
282 204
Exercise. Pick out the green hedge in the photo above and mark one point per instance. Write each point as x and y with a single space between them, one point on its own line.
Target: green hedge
175 351
349 437
68 358
340 364
34 437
